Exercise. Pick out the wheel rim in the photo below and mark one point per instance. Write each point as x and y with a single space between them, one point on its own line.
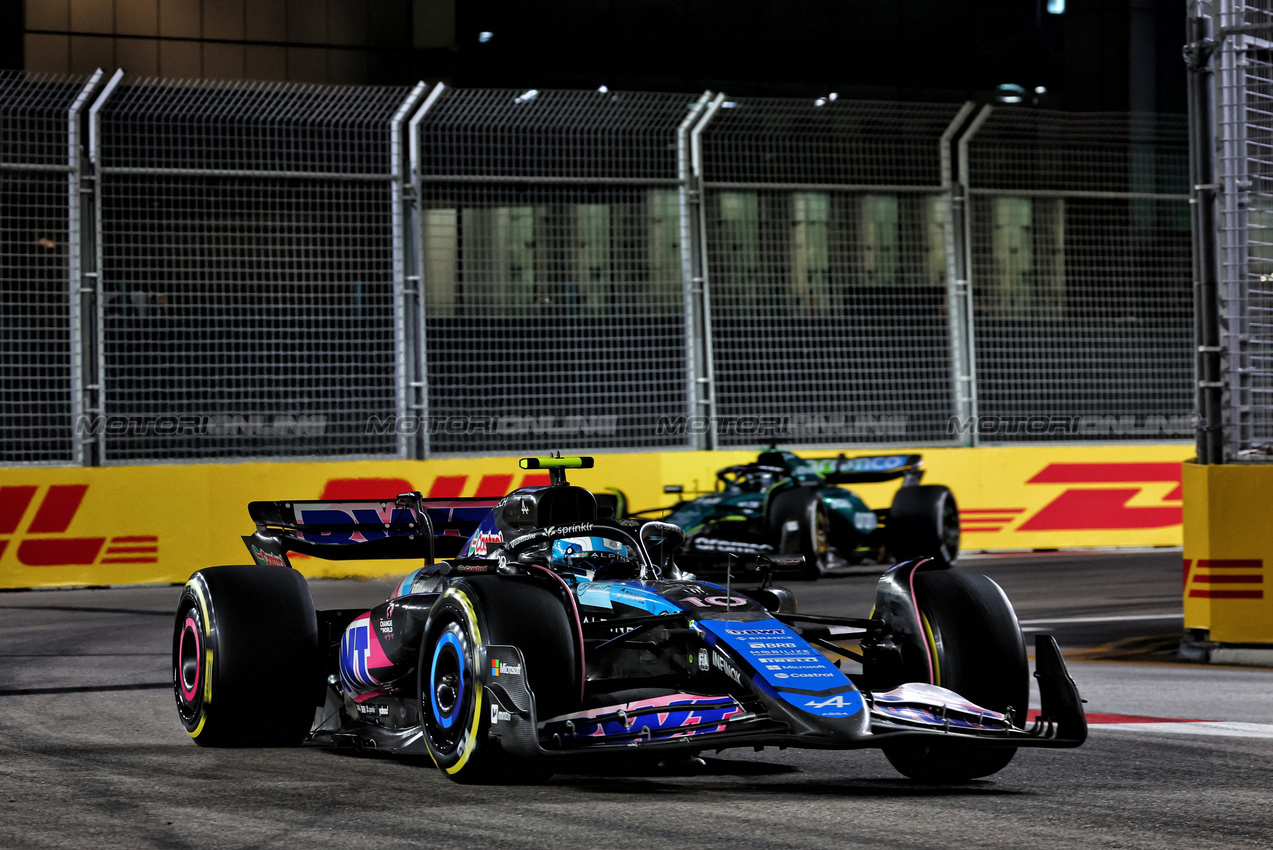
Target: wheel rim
448 685
821 536
187 665
191 664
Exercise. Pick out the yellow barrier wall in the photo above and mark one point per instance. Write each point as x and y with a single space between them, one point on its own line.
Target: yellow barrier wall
130 525
1228 545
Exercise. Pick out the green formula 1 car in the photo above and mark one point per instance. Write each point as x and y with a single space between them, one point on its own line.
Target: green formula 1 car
788 505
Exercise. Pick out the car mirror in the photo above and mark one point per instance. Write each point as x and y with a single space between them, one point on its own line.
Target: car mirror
780 564
673 489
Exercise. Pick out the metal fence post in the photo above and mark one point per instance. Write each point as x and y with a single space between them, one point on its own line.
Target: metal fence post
955 232
94 345
690 200
406 278
79 201
418 362
698 302
962 301
1202 179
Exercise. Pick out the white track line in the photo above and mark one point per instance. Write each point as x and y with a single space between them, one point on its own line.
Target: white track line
1124 618
1197 727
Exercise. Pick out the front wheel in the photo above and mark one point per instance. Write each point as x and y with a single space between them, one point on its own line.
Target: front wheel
978 652
800 525
245 657
455 707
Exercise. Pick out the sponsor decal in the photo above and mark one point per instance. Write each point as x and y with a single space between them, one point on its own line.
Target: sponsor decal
499 715
703 663
499 668
355 655
1224 578
482 540
266 558
853 699
374 521
45 540
712 544
719 662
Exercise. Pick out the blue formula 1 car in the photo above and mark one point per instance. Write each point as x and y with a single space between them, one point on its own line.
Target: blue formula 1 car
539 632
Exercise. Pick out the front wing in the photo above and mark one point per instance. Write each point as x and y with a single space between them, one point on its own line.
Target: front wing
686 721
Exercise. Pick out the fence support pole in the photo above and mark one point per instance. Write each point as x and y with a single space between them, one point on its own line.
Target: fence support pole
78 204
418 363
1202 205
92 305
406 276
690 192
698 314
957 276
961 295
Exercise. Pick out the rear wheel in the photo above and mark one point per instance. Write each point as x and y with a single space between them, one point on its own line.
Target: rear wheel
978 652
245 657
800 525
455 706
923 522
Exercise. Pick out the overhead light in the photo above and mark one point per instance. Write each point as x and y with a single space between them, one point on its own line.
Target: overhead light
603 89
729 104
485 36
526 96
1040 90
823 101
1056 7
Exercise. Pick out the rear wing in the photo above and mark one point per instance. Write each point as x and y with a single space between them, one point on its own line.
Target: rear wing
406 526
867 469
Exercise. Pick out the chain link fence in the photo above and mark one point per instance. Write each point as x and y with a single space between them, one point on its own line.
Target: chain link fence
266 270
825 227
247 288
549 227
1079 235
39 174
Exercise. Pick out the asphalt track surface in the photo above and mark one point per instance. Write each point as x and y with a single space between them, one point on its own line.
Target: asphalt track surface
92 755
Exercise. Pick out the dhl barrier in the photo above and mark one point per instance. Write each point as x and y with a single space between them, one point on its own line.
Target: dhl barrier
156 524
1228 548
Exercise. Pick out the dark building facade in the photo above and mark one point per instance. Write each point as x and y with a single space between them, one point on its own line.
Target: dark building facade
1081 55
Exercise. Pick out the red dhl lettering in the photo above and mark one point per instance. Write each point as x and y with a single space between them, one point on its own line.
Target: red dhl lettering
1238 578
1095 508
45 543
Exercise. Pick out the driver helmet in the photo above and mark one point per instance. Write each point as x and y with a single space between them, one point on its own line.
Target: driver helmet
594 558
757 480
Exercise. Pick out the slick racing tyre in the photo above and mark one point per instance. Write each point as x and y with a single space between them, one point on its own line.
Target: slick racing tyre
245 657
978 652
923 522
812 533
454 705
